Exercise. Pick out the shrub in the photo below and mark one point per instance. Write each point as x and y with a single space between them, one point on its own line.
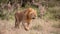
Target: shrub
54 12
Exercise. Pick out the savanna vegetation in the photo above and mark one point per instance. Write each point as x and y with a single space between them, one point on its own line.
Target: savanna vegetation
47 10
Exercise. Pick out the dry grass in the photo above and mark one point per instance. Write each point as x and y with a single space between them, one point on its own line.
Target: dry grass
39 26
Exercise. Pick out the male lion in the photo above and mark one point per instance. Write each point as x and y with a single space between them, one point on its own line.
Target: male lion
25 17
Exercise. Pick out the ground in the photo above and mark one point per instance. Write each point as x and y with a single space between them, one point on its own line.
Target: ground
39 26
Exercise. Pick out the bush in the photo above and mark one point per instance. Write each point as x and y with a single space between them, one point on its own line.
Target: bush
54 12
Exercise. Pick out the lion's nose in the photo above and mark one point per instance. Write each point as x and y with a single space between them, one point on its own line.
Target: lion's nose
33 18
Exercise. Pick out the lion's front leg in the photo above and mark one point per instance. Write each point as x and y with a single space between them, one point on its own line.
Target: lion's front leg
26 24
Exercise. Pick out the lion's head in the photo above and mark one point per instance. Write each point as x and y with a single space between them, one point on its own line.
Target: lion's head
32 14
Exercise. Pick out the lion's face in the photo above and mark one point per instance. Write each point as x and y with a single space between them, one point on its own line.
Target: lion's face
32 14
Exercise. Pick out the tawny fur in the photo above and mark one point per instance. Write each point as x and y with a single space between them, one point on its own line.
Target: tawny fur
25 17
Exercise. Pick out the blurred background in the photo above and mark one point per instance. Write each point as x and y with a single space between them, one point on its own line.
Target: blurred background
50 8
47 10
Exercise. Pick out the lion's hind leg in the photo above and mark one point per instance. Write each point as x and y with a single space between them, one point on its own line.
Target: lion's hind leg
17 22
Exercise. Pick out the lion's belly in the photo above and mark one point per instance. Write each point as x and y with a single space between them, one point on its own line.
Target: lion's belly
21 16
